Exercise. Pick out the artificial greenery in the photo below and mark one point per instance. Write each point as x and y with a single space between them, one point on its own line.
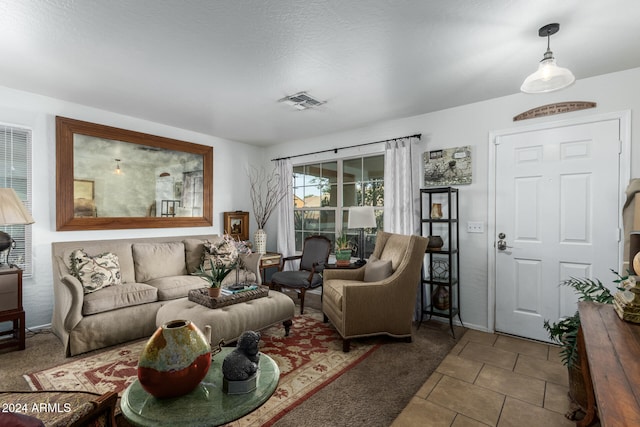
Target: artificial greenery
565 331
343 243
216 274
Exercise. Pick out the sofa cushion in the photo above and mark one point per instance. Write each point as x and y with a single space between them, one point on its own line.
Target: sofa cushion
154 260
193 250
376 269
121 249
95 272
176 286
114 297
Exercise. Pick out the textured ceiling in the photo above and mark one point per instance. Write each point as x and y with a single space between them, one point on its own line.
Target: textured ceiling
219 67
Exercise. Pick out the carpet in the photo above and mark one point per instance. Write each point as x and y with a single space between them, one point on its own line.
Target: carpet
309 359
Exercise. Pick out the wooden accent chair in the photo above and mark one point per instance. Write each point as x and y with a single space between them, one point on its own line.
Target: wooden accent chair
361 303
315 255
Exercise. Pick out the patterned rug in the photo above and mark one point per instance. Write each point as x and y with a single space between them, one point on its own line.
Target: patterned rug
309 359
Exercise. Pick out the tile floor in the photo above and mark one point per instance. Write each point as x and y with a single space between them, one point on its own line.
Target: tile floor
493 380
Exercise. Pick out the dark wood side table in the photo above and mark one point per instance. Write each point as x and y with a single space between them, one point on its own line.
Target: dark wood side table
351 266
269 260
11 307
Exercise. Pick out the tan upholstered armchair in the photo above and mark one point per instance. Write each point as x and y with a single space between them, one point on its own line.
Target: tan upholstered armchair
358 307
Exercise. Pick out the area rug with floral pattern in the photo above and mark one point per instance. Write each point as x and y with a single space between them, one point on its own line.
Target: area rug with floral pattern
309 358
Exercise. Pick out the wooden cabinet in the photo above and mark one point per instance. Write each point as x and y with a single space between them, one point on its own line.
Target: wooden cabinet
11 308
440 288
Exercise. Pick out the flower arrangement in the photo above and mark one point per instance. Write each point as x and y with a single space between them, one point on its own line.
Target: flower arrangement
242 247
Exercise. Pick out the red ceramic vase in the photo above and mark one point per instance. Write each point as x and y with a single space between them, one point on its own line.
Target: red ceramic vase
174 360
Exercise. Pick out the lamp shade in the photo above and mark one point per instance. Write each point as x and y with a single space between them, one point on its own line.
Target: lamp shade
12 211
361 217
548 78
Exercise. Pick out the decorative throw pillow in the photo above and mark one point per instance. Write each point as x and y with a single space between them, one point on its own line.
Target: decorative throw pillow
221 253
376 270
95 272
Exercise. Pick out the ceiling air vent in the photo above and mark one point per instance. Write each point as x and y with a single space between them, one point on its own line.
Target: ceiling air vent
301 101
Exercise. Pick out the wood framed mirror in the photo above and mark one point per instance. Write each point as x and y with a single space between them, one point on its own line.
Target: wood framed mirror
136 180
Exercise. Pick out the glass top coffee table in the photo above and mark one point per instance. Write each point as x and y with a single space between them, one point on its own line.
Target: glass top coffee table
206 405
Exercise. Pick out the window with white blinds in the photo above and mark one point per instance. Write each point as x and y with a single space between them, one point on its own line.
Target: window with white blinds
15 172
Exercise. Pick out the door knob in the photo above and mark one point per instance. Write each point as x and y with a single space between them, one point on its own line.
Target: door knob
502 244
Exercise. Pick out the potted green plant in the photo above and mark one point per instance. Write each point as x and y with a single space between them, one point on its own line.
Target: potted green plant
565 332
215 275
343 250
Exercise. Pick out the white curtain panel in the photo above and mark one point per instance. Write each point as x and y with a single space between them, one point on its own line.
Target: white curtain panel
285 239
401 199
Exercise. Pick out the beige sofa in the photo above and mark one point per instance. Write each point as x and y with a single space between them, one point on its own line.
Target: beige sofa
154 271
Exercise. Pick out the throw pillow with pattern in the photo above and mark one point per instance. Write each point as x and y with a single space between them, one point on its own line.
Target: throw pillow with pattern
95 272
221 253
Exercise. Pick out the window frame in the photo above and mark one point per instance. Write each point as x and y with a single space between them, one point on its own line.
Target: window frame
340 209
21 233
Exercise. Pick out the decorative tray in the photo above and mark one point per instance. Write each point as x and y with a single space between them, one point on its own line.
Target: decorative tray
201 296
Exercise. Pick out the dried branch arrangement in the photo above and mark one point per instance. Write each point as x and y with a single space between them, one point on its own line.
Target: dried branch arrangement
265 193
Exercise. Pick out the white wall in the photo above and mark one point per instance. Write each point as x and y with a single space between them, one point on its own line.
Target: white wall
470 125
38 113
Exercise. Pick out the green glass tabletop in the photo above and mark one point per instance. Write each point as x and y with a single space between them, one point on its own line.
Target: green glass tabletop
206 405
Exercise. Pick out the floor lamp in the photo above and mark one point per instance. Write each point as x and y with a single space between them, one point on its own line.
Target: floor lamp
361 217
12 212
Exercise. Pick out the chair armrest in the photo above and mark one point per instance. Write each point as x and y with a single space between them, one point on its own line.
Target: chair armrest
374 304
289 258
76 296
343 273
388 297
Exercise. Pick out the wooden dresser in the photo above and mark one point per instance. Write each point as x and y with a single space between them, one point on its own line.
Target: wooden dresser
612 375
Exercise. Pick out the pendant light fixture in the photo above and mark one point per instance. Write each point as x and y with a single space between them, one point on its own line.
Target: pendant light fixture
549 76
117 170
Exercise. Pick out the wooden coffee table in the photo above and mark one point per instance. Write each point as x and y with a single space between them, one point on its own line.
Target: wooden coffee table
206 405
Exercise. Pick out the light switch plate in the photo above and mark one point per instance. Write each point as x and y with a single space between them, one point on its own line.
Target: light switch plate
475 227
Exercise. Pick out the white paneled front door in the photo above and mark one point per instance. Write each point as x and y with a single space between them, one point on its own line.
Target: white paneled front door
557 210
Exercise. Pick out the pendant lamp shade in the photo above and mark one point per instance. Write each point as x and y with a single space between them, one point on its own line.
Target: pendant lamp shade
549 77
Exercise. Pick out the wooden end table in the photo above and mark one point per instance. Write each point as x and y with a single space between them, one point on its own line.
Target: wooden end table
206 405
11 307
269 260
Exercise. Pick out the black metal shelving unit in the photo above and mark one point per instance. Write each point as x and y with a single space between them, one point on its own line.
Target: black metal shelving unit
441 267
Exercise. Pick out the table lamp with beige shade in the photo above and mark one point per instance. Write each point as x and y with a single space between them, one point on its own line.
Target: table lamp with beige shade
361 217
12 212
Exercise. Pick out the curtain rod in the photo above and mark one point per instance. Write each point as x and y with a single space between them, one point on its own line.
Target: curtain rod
335 150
